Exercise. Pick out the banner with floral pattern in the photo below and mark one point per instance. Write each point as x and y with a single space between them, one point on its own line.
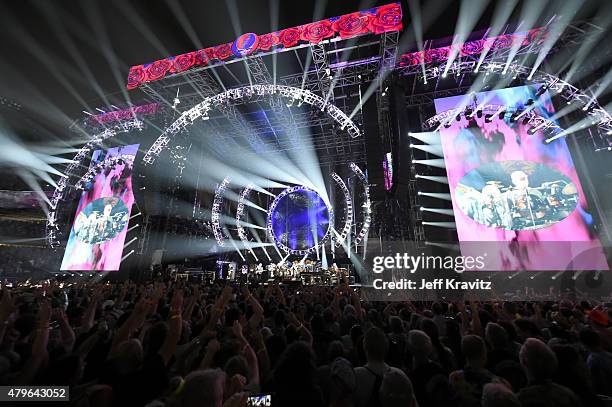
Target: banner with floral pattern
441 54
377 20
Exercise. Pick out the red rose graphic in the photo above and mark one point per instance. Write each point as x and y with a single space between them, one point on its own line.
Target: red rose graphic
136 77
289 37
472 47
183 62
537 35
200 57
223 51
267 41
387 18
210 53
158 69
437 54
351 25
413 58
316 32
501 42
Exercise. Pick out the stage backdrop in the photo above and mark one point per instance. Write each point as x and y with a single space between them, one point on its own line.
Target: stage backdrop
515 197
100 223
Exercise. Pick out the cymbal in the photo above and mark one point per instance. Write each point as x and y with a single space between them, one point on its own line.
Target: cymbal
569 189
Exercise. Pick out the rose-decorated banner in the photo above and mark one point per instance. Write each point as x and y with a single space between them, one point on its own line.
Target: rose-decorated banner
434 55
124 114
376 20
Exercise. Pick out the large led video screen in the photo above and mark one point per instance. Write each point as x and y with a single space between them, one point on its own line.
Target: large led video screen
515 197
100 222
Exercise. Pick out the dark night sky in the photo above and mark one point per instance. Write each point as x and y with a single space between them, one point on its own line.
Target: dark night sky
50 48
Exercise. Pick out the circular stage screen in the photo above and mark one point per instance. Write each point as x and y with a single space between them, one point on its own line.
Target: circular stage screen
101 220
299 220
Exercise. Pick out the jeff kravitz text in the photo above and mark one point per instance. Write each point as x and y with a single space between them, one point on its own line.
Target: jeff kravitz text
435 284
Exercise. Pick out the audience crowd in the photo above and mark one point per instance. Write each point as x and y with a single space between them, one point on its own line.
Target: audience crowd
176 344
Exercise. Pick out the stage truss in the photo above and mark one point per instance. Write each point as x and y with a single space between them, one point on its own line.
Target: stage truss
199 88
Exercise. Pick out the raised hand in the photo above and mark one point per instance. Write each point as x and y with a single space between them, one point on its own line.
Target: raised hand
177 302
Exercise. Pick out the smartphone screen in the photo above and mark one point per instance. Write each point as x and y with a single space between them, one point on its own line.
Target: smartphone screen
259 400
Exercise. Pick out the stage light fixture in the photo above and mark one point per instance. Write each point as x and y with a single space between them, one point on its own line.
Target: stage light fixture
541 91
529 102
514 116
458 117
479 113
525 120
502 114
447 125
532 131
488 118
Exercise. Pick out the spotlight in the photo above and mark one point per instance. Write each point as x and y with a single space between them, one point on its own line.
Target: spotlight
502 114
541 91
529 102
468 113
525 120
514 116
532 131
359 76
488 118
447 125
444 75
419 193
417 176
411 145
458 117
421 209
479 113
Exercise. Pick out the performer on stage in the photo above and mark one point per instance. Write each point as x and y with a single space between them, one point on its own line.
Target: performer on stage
526 204
494 210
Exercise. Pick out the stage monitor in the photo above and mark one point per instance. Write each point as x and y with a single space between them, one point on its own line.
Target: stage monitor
515 197
103 213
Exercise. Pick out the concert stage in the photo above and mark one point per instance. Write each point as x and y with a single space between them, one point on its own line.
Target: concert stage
303 152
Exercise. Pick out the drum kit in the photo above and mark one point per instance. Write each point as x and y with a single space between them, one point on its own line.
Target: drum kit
545 204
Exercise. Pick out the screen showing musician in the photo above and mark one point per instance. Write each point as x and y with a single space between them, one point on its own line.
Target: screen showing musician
500 195
102 216
515 197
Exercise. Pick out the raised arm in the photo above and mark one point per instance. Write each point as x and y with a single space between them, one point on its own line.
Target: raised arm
248 352
175 323
135 321
39 346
